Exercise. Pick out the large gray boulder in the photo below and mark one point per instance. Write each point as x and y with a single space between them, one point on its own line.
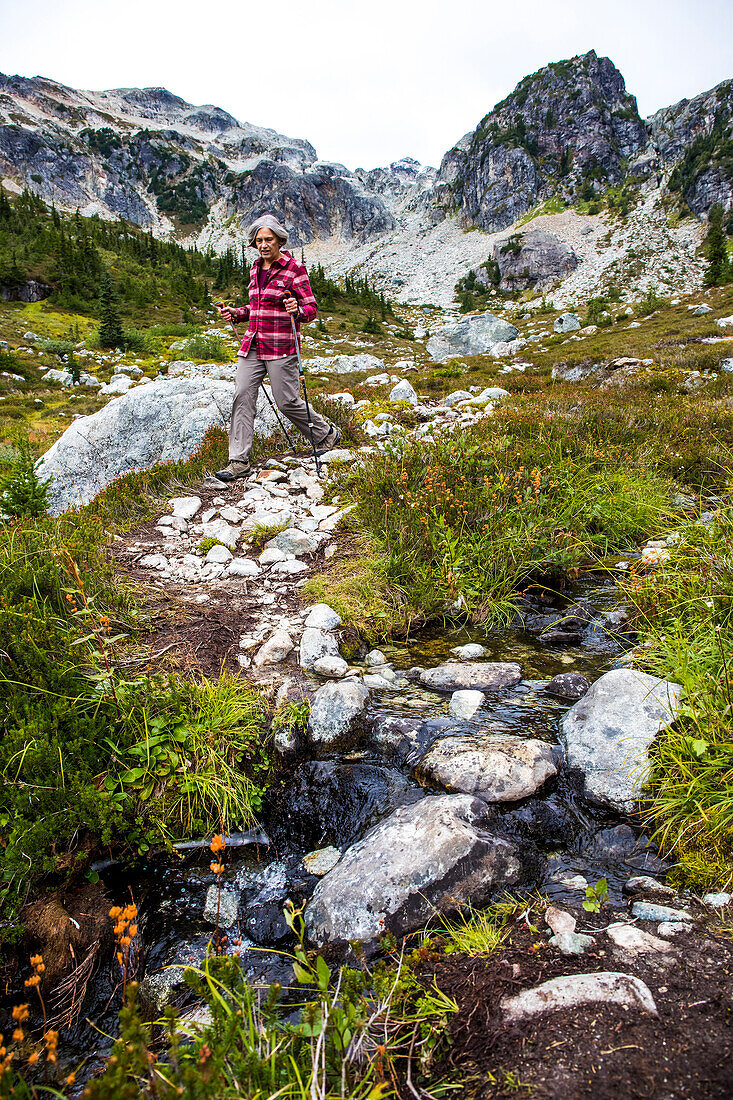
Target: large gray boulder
479 675
607 733
337 714
496 768
566 322
533 259
471 336
161 421
428 857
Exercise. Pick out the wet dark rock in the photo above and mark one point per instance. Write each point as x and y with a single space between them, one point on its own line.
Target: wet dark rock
620 843
406 739
163 982
263 897
647 886
578 616
331 802
568 685
561 637
546 822
424 858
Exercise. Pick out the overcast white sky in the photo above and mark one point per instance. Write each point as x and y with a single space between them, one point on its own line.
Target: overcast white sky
366 82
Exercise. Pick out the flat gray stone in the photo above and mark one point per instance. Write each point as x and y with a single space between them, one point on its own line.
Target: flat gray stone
456 397
634 941
672 928
219 554
293 567
277 647
332 667
571 943
243 567
293 541
575 990
470 336
483 676
566 322
160 421
270 555
223 532
470 652
647 910
185 507
607 734
403 391
718 901
498 768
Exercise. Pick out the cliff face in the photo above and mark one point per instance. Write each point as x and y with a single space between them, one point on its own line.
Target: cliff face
570 129
163 164
694 139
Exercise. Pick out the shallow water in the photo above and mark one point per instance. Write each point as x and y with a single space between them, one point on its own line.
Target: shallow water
336 800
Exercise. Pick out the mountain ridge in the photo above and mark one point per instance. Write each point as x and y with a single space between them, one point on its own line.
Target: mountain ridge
568 134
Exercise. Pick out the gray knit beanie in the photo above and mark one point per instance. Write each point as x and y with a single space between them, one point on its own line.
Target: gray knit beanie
268 221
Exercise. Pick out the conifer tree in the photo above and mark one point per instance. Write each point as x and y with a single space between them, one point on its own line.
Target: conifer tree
110 326
5 208
719 266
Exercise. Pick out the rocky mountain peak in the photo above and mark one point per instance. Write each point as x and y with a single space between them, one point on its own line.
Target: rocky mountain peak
570 128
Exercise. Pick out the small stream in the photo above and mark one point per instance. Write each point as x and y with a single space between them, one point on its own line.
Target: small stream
336 799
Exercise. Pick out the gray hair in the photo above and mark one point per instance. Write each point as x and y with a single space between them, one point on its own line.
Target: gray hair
267 221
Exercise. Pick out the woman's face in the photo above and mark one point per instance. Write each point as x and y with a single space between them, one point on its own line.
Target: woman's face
267 244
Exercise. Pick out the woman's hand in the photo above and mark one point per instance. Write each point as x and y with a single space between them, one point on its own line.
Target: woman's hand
291 304
226 313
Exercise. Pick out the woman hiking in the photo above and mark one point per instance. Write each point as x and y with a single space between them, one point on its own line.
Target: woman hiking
278 290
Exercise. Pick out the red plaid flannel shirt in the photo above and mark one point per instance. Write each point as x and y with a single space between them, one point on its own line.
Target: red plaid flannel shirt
269 326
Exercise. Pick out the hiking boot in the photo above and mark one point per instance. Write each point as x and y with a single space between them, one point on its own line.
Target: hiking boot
332 440
234 470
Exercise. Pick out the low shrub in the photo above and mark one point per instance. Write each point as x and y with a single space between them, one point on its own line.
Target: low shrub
469 518
204 347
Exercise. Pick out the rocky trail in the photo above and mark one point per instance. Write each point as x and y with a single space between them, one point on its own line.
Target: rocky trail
440 771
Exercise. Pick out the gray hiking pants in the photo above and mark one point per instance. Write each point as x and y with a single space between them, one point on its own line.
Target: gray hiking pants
284 382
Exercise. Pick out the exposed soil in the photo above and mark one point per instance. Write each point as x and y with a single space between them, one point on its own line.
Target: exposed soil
603 1052
191 636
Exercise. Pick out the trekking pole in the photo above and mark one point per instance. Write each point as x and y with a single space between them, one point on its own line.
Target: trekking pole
305 394
220 305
